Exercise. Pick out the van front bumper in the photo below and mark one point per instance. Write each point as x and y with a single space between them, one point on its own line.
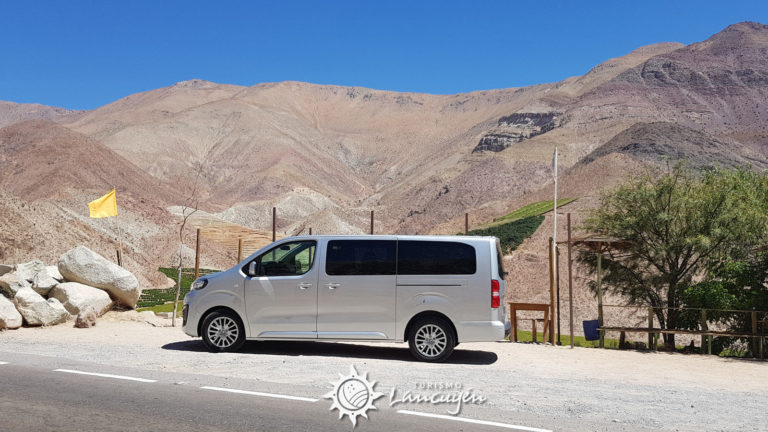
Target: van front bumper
190 316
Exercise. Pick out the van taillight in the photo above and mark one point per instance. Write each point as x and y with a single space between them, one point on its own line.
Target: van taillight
495 294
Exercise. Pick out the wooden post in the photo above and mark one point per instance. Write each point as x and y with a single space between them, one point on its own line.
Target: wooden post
197 254
570 281
310 230
557 287
119 258
371 222
650 328
274 223
466 223
239 250
703 328
600 292
552 290
535 337
753 341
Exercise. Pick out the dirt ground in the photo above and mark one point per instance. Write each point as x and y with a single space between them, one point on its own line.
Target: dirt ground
585 388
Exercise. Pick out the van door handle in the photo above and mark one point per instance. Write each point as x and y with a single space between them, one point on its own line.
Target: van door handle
305 285
332 285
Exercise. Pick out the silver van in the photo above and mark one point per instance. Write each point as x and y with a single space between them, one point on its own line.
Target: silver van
432 291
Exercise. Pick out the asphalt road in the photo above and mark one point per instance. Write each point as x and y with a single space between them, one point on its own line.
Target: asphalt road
39 393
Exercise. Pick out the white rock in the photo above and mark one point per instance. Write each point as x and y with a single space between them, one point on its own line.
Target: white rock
10 283
38 311
42 283
76 296
10 318
30 269
87 267
53 271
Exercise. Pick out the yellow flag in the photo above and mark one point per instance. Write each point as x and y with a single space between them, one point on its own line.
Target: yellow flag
105 206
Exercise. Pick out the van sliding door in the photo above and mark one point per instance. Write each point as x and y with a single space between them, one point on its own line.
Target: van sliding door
356 291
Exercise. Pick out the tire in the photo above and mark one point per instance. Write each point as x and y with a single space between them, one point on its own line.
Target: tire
223 331
431 339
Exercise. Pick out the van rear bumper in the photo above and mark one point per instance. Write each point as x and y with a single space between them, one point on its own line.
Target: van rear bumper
481 331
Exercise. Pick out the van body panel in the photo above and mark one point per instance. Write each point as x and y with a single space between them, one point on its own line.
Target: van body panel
413 300
282 304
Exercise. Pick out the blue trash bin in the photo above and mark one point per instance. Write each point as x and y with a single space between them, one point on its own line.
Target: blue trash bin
590 330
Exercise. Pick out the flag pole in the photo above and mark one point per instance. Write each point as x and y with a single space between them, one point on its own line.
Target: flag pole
555 254
119 234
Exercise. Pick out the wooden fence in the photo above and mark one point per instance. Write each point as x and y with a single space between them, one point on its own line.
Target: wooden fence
707 329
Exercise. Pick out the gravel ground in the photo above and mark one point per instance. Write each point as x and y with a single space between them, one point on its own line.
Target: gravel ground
579 389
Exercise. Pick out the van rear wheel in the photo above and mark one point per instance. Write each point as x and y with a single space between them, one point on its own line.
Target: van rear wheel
431 339
223 331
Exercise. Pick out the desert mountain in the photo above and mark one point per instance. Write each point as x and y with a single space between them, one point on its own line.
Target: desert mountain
327 155
11 112
47 160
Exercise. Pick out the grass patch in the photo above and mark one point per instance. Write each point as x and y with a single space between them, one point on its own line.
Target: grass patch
511 234
165 307
579 341
533 209
155 297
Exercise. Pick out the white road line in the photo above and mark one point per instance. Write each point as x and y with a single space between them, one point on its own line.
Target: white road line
253 393
105 375
2 363
480 422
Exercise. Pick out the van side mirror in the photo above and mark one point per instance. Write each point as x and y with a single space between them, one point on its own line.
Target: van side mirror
252 268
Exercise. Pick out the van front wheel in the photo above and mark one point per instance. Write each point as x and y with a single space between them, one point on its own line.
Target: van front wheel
431 339
222 331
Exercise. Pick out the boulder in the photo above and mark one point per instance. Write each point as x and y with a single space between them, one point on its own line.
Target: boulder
86 318
35 272
10 283
38 311
76 296
53 271
87 267
5 268
10 318
30 269
42 283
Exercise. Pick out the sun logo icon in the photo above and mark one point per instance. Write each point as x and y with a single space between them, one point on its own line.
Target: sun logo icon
353 395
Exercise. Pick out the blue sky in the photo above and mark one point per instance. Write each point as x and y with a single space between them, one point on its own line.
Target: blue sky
84 54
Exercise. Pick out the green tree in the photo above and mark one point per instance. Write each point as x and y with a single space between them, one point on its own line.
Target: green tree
679 225
736 285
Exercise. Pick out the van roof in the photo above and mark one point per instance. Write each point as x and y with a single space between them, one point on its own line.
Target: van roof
394 236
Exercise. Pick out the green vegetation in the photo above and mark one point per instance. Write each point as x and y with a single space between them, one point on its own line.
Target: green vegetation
579 341
684 225
165 307
533 209
511 234
154 297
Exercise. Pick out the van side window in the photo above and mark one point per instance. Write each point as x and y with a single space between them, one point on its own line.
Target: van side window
287 259
360 257
435 258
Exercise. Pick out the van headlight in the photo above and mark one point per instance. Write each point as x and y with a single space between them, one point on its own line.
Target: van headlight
199 284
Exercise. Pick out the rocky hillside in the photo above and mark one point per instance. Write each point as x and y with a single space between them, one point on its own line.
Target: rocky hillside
327 155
